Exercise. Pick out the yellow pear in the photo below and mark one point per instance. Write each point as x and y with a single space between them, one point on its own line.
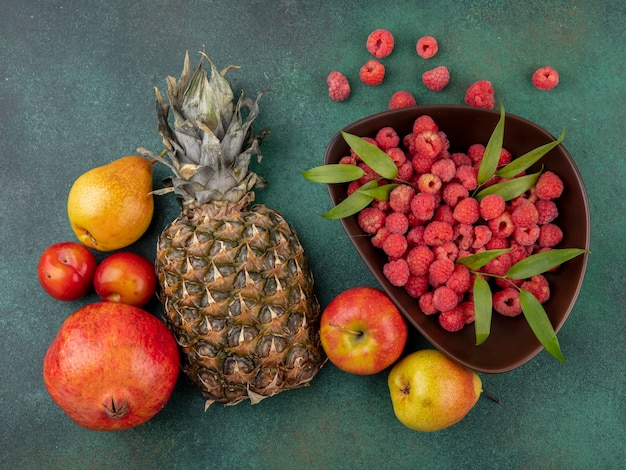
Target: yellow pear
111 206
430 392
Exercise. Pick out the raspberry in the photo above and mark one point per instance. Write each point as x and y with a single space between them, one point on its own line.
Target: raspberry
526 236
498 266
517 252
480 94
467 211
423 206
369 175
347 160
397 272
387 138
460 159
405 171
444 298
506 302
437 233
459 280
452 320
395 245
464 236
467 176
525 215
400 198
397 222
549 186
380 43
447 250
443 213
419 259
482 235
372 73
426 47
428 143
444 168
338 86
416 286
538 286
379 238
424 123
353 186
547 211
468 311
505 157
397 155
492 206
545 78
381 205
440 271
454 192
401 99
429 183
476 152
549 235
415 235
497 243
426 304
501 226
437 78
423 163
371 220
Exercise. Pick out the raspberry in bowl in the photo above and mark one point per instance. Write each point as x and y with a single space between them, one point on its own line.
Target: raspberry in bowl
443 216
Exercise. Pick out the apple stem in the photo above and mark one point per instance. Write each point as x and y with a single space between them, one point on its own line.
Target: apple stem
347 330
491 397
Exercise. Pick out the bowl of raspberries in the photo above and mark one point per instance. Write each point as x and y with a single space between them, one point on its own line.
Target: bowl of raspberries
445 216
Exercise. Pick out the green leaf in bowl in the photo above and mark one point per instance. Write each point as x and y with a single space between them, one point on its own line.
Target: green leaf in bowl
372 155
352 204
333 173
528 159
493 149
510 189
539 263
539 322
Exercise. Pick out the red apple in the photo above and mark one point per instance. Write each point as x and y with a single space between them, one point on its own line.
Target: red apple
111 366
362 331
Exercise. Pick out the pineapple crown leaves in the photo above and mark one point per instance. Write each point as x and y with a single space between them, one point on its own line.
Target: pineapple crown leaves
211 144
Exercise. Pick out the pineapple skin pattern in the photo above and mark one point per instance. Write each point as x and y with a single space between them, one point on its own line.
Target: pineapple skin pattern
234 279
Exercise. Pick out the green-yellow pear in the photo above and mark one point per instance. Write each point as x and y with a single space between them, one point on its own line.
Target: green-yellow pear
111 206
430 392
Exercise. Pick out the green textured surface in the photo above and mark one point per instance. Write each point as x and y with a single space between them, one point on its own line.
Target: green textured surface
76 91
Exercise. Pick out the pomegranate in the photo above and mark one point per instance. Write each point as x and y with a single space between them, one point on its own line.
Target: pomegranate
111 366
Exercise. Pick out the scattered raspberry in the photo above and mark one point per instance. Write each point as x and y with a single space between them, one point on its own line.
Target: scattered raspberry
492 206
397 222
525 215
502 226
467 211
429 183
444 298
538 286
549 235
506 302
426 47
387 138
480 94
459 280
372 73
482 236
454 192
401 99
423 206
436 233
397 272
547 211
400 198
545 78
440 271
437 78
444 168
416 286
526 236
549 186
338 86
371 220
419 259
426 304
395 245
380 43
467 176
452 320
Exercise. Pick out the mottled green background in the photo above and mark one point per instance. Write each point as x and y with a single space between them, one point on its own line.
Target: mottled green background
76 91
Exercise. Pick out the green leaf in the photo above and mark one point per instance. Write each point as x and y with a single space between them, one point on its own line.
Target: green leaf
482 309
528 159
542 262
539 322
380 192
491 157
373 156
352 204
510 189
333 173
477 261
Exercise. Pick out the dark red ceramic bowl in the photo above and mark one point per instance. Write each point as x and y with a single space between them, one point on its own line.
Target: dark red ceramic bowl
511 342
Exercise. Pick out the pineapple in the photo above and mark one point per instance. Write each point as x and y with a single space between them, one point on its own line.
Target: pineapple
234 279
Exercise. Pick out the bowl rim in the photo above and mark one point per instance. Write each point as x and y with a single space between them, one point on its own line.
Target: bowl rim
337 139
